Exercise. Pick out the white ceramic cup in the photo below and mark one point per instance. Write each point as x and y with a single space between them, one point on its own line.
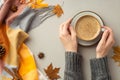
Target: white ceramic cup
99 19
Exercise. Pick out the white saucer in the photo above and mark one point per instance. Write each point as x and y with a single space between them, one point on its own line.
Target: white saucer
81 14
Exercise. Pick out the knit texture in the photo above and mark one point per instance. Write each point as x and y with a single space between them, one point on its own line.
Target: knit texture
72 66
73 70
99 69
32 18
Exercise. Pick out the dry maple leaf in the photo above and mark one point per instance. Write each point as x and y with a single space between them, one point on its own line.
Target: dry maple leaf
35 4
52 73
116 56
58 10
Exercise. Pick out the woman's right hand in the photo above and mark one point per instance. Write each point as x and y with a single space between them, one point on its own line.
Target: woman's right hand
105 43
68 36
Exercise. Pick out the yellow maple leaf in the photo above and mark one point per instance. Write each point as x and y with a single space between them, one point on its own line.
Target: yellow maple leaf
39 1
35 4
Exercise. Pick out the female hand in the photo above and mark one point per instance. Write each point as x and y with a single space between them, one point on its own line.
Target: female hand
68 36
105 43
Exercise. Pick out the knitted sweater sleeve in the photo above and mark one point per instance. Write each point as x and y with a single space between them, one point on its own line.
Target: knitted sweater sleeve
72 66
73 71
99 69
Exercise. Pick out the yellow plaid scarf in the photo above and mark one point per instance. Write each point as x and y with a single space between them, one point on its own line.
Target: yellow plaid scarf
19 55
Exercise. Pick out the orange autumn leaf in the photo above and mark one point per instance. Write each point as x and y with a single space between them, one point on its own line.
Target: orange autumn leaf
117 50
116 56
52 73
35 4
58 10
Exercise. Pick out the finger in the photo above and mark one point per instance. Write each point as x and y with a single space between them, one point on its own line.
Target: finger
61 30
104 38
110 37
110 40
72 31
109 29
61 27
66 26
67 23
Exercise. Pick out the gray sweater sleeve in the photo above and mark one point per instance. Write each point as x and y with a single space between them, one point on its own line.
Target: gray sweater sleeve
73 71
99 69
72 66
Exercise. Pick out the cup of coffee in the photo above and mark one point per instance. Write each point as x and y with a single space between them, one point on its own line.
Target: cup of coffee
87 25
87 28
